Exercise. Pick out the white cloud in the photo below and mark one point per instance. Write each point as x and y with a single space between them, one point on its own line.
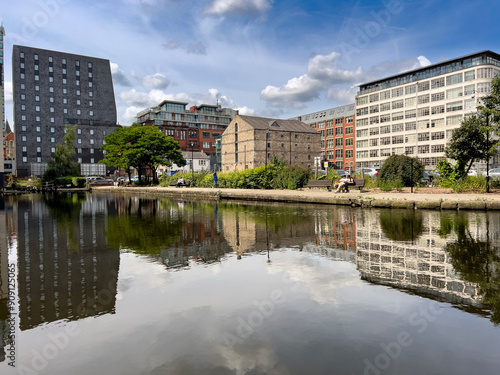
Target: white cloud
156 81
118 75
422 61
8 92
246 111
239 7
322 74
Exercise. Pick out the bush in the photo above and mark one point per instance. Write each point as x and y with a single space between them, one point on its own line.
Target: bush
79 182
388 185
401 169
287 178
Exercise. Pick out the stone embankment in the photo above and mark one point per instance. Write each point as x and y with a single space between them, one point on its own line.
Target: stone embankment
418 200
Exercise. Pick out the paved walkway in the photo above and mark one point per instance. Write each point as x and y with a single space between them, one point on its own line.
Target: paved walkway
422 198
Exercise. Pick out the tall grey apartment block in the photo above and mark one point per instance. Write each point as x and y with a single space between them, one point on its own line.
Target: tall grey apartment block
52 89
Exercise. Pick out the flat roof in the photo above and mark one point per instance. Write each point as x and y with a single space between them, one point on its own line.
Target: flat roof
414 71
327 114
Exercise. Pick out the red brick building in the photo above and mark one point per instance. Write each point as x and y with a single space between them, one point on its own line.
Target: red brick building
196 128
337 129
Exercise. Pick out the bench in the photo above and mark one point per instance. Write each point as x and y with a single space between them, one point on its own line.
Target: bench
320 184
358 183
186 183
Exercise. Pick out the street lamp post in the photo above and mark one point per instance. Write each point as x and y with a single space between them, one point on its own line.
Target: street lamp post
192 160
267 138
488 153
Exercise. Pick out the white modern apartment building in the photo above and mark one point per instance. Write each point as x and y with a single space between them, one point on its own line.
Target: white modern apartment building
414 113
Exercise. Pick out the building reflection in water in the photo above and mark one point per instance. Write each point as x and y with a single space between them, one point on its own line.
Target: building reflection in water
66 270
419 264
4 290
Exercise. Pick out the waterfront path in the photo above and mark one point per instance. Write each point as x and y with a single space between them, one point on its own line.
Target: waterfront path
423 198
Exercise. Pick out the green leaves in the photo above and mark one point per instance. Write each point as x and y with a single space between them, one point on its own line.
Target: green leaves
141 146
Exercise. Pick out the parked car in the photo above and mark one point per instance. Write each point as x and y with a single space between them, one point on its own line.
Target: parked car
494 173
429 175
373 172
474 172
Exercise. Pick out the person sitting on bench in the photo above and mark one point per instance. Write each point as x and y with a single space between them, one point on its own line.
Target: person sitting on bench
180 182
343 183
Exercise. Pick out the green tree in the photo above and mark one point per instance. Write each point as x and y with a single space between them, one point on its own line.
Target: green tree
140 146
468 143
63 161
402 168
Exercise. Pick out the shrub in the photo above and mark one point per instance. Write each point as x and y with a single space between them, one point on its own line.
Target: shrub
79 182
287 178
401 169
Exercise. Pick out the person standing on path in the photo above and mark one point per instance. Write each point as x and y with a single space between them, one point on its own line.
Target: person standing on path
216 180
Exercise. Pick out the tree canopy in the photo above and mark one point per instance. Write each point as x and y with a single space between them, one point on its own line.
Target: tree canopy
63 162
471 141
468 143
402 168
141 146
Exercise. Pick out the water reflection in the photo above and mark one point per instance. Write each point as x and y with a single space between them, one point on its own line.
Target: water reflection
70 250
66 269
4 313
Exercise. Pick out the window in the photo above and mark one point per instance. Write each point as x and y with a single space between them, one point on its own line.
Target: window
23 128
79 141
51 89
437 83
90 93
37 108
423 86
469 76
206 144
91 131
91 150
37 118
52 140
77 92
454 79
23 96
78 112
78 131
38 129
91 141
37 88
455 106
79 150
52 109
349 130
91 103
91 113
39 139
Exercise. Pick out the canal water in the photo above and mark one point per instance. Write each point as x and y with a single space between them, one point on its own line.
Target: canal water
122 284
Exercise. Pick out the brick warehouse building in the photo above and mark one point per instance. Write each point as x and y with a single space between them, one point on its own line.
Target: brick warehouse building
250 141
336 126
52 89
196 129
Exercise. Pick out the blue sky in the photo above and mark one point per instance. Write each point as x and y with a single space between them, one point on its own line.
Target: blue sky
268 58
